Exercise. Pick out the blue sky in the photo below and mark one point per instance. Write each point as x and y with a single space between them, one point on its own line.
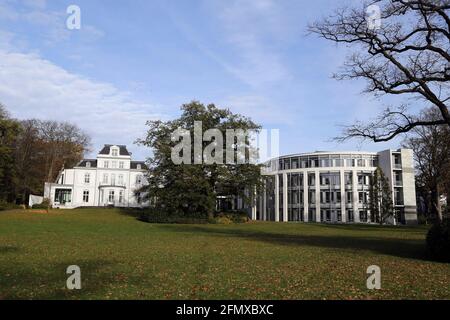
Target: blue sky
138 60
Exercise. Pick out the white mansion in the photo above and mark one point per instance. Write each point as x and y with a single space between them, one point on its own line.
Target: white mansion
109 180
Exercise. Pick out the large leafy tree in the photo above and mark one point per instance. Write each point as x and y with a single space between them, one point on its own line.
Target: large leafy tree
192 189
9 130
32 152
401 48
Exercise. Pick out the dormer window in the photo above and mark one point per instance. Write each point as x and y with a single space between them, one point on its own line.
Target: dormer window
114 152
138 166
88 164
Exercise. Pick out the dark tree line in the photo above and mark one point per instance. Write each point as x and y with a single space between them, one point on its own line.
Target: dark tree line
32 152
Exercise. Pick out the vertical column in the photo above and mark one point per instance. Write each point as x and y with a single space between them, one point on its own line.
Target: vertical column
285 198
264 200
355 196
305 196
343 211
254 204
317 188
260 205
277 198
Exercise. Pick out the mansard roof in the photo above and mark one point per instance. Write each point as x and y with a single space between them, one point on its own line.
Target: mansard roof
123 149
85 161
133 165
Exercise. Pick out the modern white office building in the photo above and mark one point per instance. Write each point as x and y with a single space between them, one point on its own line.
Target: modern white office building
109 180
334 187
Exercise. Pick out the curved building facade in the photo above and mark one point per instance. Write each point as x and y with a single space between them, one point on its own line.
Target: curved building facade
334 187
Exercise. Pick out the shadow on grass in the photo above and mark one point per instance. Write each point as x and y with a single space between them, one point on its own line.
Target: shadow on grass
49 282
377 228
132 212
7 249
404 248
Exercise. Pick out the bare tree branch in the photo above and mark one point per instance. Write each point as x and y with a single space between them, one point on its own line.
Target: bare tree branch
408 55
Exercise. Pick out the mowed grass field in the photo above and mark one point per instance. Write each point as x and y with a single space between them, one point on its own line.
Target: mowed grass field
123 258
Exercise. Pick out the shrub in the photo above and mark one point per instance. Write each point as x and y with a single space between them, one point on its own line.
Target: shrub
9 206
160 216
43 205
421 219
231 217
438 241
153 215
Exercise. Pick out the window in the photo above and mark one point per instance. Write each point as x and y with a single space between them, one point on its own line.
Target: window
360 179
312 196
363 197
139 179
105 178
313 162
324 180
106 164
350 217
63 196
295 197
339 215
121 196
325 162
325 197
88 164
311 179
348 178
138 197
295 180
87 178
363 179
113 179
111 196
85 196
115 152
397 161
398 197
120 164
114 164
398 178
349 197
338 162
120 179
138 166
363 215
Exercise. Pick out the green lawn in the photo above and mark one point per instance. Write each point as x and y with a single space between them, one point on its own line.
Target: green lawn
122 258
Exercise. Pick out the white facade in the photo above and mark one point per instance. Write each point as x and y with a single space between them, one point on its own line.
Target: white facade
334 187
109 180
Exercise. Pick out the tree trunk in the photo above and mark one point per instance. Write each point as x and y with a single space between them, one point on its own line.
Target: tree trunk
436 205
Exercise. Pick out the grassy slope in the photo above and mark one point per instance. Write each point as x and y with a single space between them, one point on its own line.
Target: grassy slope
123 258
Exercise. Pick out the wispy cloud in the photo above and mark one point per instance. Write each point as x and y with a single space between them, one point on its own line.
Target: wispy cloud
33 87
250 30
51 23
254 28
259 109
